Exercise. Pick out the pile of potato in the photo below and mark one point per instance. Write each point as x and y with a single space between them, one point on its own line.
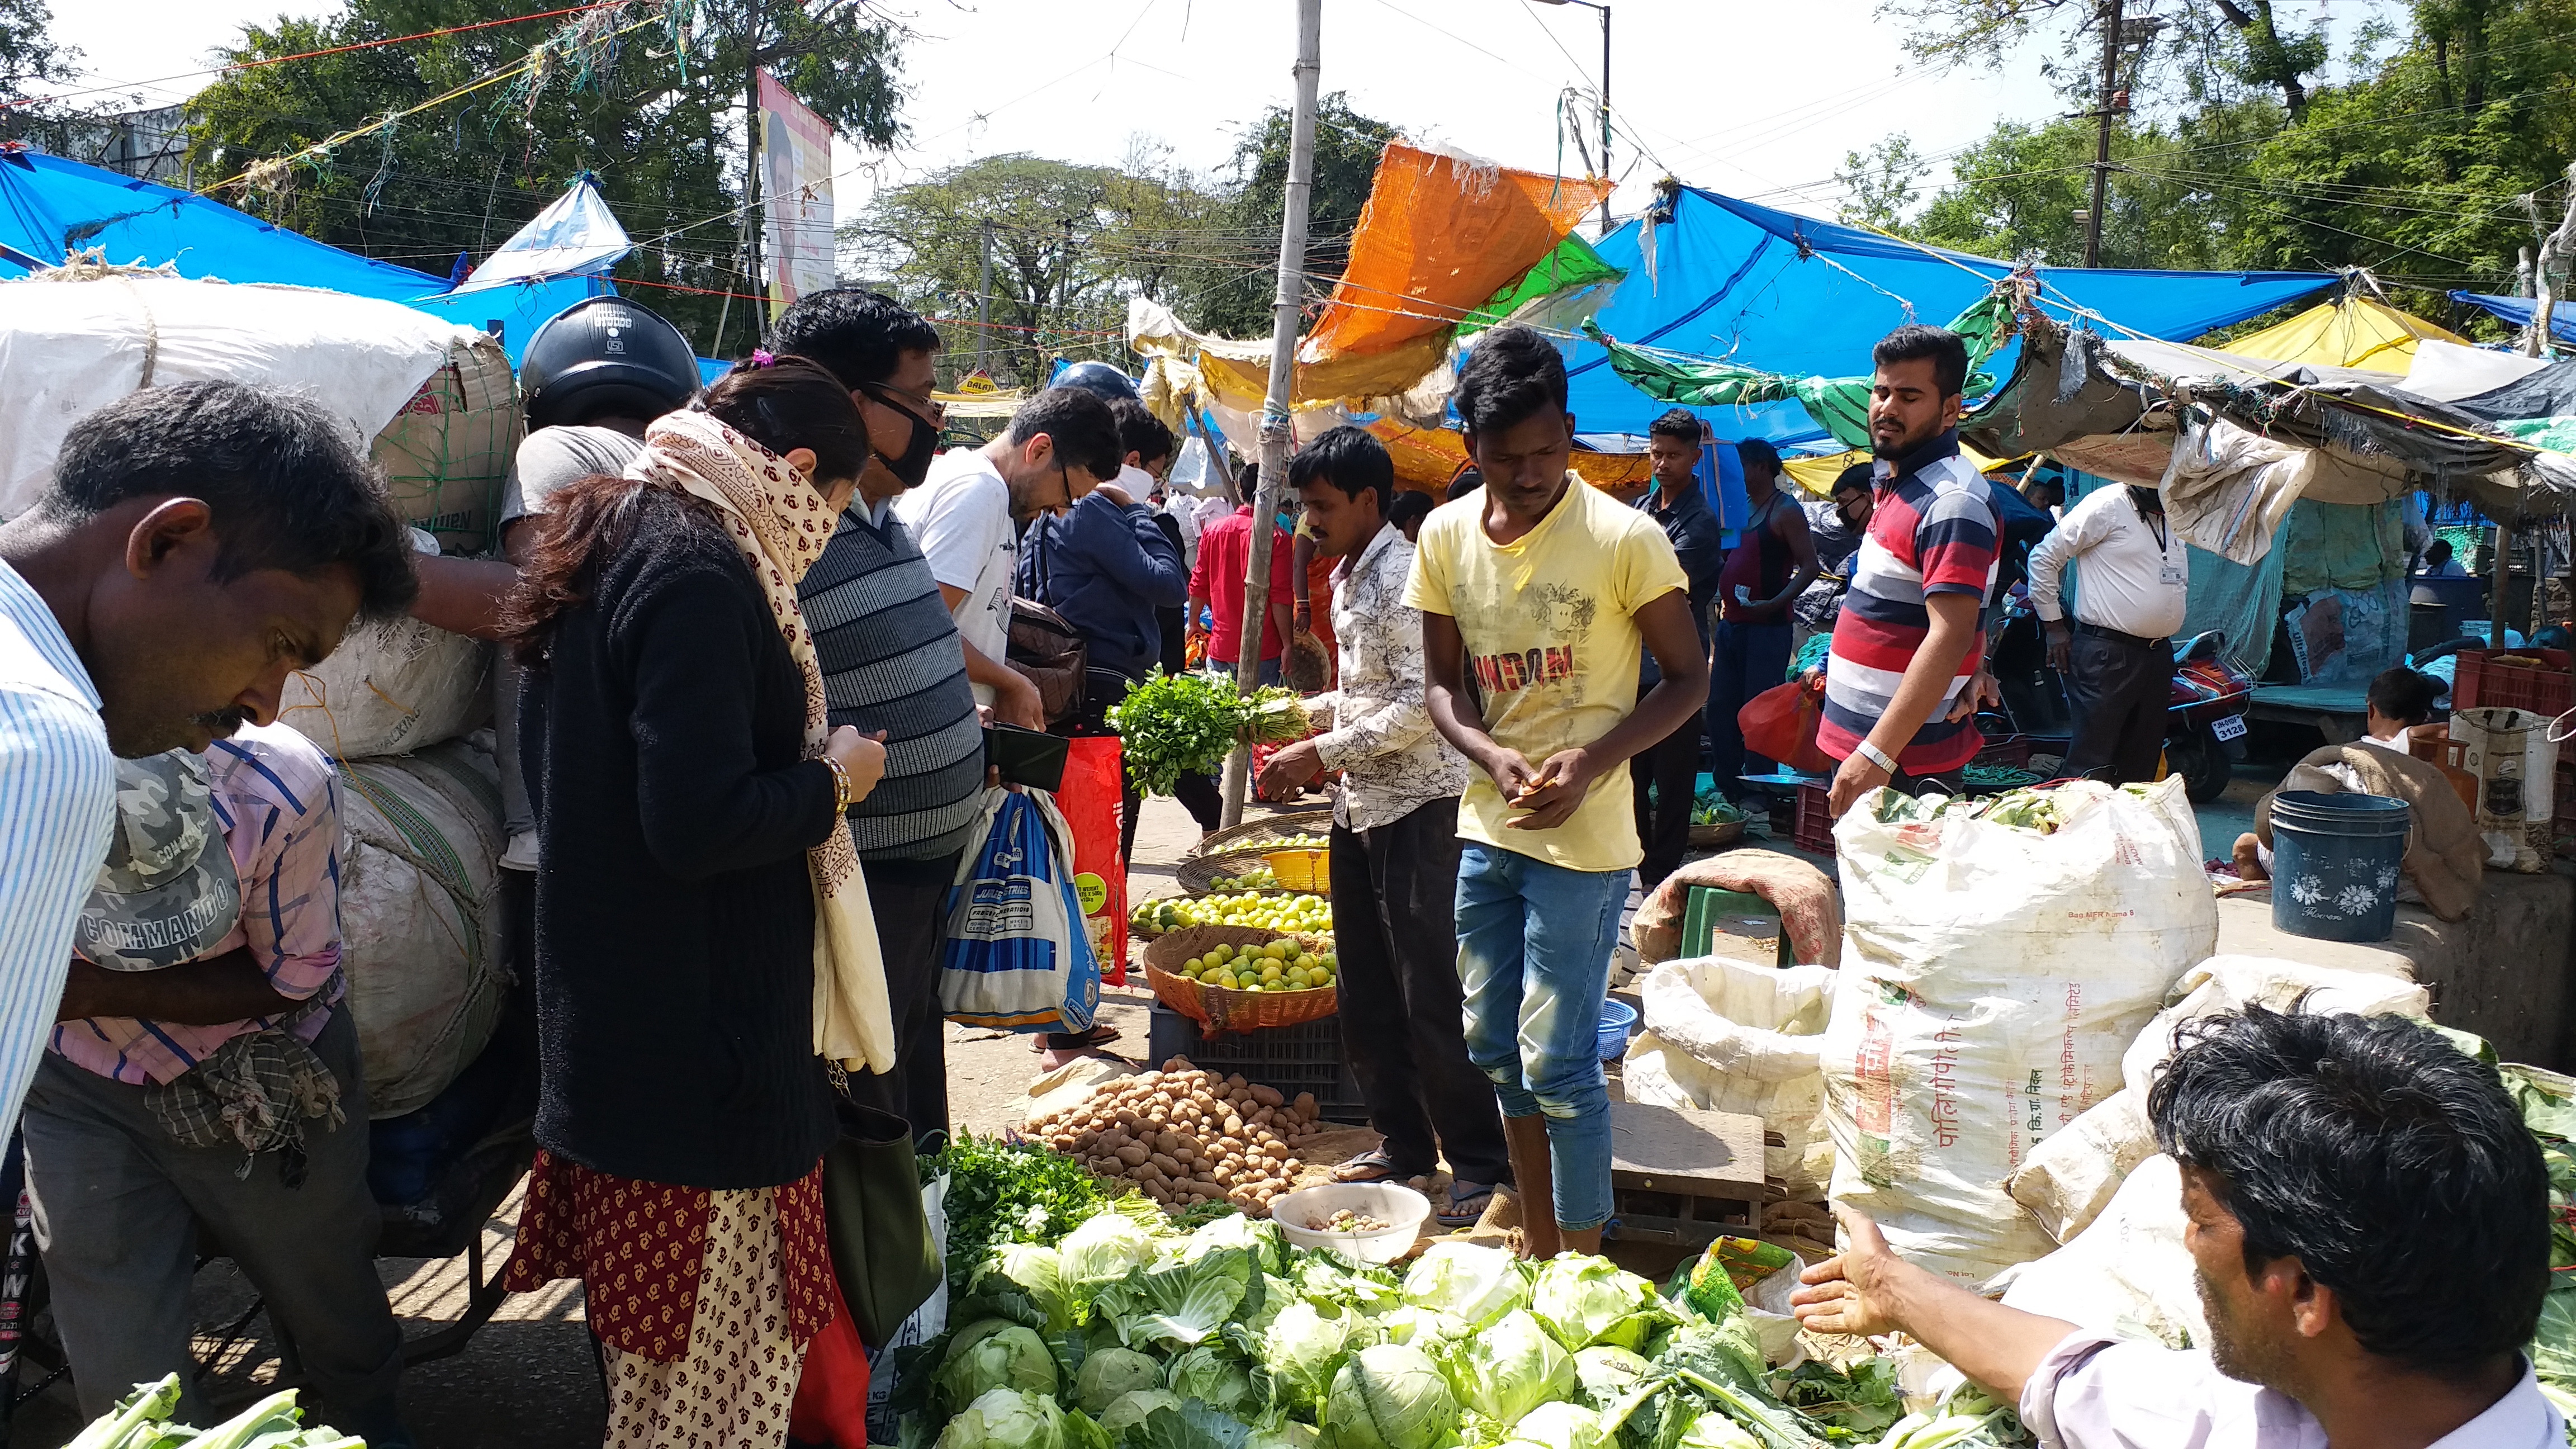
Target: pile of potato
1185 1136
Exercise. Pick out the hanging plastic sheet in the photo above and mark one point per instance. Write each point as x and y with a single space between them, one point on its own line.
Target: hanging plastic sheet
1567 286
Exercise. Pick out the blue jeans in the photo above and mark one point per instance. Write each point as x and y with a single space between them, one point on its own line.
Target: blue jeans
1745 659
1534 943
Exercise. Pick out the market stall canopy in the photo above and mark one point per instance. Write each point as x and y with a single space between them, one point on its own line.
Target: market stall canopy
2539 408
50 208
2518 310
1714 278
2350 331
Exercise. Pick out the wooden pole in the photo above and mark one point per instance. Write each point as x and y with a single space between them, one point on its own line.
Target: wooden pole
1275 426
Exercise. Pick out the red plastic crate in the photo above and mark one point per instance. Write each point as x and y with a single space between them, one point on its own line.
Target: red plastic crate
2012 752
2481 683
1815 828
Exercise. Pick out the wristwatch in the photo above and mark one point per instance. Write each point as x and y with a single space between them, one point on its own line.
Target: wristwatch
1878 757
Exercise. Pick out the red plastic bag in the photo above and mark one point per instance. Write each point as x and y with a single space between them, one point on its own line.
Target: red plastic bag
831 1405
1780 724
1090 800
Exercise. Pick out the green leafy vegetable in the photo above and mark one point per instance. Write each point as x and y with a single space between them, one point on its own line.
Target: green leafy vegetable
1561 1426
1105 1249
1259 1237
1605 1373
1176 724
1188 1426
1182 1305
1863 1399
1132 1409
1466 1281
1301 1348
1209 1375
1509 1369
1390 1396
1034 1277
1007 1192
1716 1431
1008 1419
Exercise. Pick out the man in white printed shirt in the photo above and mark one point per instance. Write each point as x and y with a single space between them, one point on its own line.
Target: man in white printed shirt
2371 1227
1395 844
2118 659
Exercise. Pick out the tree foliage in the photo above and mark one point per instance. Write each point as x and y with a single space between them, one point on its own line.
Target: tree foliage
2410 158
655 114
1070 243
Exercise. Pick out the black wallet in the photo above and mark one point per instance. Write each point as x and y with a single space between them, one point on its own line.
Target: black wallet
1027 757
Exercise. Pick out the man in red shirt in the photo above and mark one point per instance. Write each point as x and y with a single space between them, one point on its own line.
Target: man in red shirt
1216 584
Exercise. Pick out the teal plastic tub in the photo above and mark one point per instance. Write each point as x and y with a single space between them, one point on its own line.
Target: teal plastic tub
2335 864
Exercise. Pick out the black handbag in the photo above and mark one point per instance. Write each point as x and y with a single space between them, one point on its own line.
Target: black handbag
882 1251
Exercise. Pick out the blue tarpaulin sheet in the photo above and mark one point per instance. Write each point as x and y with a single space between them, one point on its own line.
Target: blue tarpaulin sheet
1790 294
2518 310
50 207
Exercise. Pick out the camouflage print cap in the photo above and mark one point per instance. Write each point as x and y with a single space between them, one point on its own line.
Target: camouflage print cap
167 893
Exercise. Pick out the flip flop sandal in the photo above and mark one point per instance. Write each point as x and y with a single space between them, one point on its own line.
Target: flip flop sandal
1459 1214
1374 1165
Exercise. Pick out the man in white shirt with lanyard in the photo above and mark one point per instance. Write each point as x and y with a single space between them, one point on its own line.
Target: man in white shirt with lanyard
2370 1227
2118 659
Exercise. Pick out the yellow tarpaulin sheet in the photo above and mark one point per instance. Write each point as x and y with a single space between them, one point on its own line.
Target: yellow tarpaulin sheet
1442 233
1816 475
2347 332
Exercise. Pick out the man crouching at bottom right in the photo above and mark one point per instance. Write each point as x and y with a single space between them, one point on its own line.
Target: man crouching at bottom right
2370 1222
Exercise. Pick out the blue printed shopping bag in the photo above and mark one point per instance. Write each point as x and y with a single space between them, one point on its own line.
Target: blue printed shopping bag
1017 956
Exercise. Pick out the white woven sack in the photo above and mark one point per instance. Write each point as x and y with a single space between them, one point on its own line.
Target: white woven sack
1992 976
392 687
420 917
1729 1036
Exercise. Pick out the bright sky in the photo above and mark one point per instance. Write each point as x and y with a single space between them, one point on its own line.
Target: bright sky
1759 100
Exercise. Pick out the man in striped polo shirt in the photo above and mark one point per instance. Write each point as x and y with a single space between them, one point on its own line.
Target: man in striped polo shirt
1908 652
892 662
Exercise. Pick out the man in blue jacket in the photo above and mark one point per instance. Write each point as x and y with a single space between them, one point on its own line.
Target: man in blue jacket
1106 565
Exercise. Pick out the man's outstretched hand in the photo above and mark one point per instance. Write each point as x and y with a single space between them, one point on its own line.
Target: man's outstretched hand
1856 1291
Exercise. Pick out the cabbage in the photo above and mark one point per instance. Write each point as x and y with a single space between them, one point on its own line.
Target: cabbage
1261 1238
1209 1375
1104 1248
1301 1348
1606 1372
1466 1281
1109 1372
1584 1301
1030 1271
1006 1419
1183 1304
1129 1410
995 1354
1390 1397
1561 1426
1289 1435
1421 1327
1510 1369
1716 1431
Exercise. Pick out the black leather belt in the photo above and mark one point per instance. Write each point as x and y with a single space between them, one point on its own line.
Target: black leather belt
2116 637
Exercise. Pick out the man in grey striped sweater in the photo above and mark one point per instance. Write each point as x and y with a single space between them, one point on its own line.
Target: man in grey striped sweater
891 661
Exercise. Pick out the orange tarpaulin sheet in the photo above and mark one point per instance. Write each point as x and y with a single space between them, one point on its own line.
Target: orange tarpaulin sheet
1440 235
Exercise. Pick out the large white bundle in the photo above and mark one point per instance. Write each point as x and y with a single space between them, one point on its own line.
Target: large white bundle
2129 1271
389 689
1729 1036
69 348
420 917
1992 976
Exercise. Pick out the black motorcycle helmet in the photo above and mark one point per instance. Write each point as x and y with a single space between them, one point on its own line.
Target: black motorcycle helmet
1098 379
605 357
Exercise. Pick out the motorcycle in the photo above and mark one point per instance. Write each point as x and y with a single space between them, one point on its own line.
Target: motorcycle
2205 716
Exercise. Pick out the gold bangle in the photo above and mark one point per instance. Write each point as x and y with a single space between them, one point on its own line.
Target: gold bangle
840 783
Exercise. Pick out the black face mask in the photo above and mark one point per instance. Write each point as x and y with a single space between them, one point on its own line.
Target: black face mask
2147 500
914 466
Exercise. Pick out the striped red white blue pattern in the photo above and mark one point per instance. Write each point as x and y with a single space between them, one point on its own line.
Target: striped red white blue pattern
1931 532
57 803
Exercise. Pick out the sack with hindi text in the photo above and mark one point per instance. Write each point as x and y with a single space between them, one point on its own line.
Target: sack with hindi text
1017 956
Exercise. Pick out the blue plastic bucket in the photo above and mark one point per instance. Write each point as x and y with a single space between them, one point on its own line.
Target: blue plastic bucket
2334 864
1617 1019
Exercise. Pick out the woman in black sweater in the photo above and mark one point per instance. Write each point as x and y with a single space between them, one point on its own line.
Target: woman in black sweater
690 817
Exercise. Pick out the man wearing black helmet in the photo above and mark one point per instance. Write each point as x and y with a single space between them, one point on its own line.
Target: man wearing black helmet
591 378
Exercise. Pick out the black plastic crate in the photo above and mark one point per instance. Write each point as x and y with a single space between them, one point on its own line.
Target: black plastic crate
1294 1059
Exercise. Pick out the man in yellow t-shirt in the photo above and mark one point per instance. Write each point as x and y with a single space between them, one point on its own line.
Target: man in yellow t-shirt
1547 590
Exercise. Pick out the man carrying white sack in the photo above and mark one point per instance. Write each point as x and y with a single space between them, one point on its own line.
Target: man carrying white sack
2370 1221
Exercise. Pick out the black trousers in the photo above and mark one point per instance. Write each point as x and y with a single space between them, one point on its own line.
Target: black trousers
1671 766
909 900
1395 899
2119 692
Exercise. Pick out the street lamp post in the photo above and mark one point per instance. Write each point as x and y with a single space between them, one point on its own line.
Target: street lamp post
1605 95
